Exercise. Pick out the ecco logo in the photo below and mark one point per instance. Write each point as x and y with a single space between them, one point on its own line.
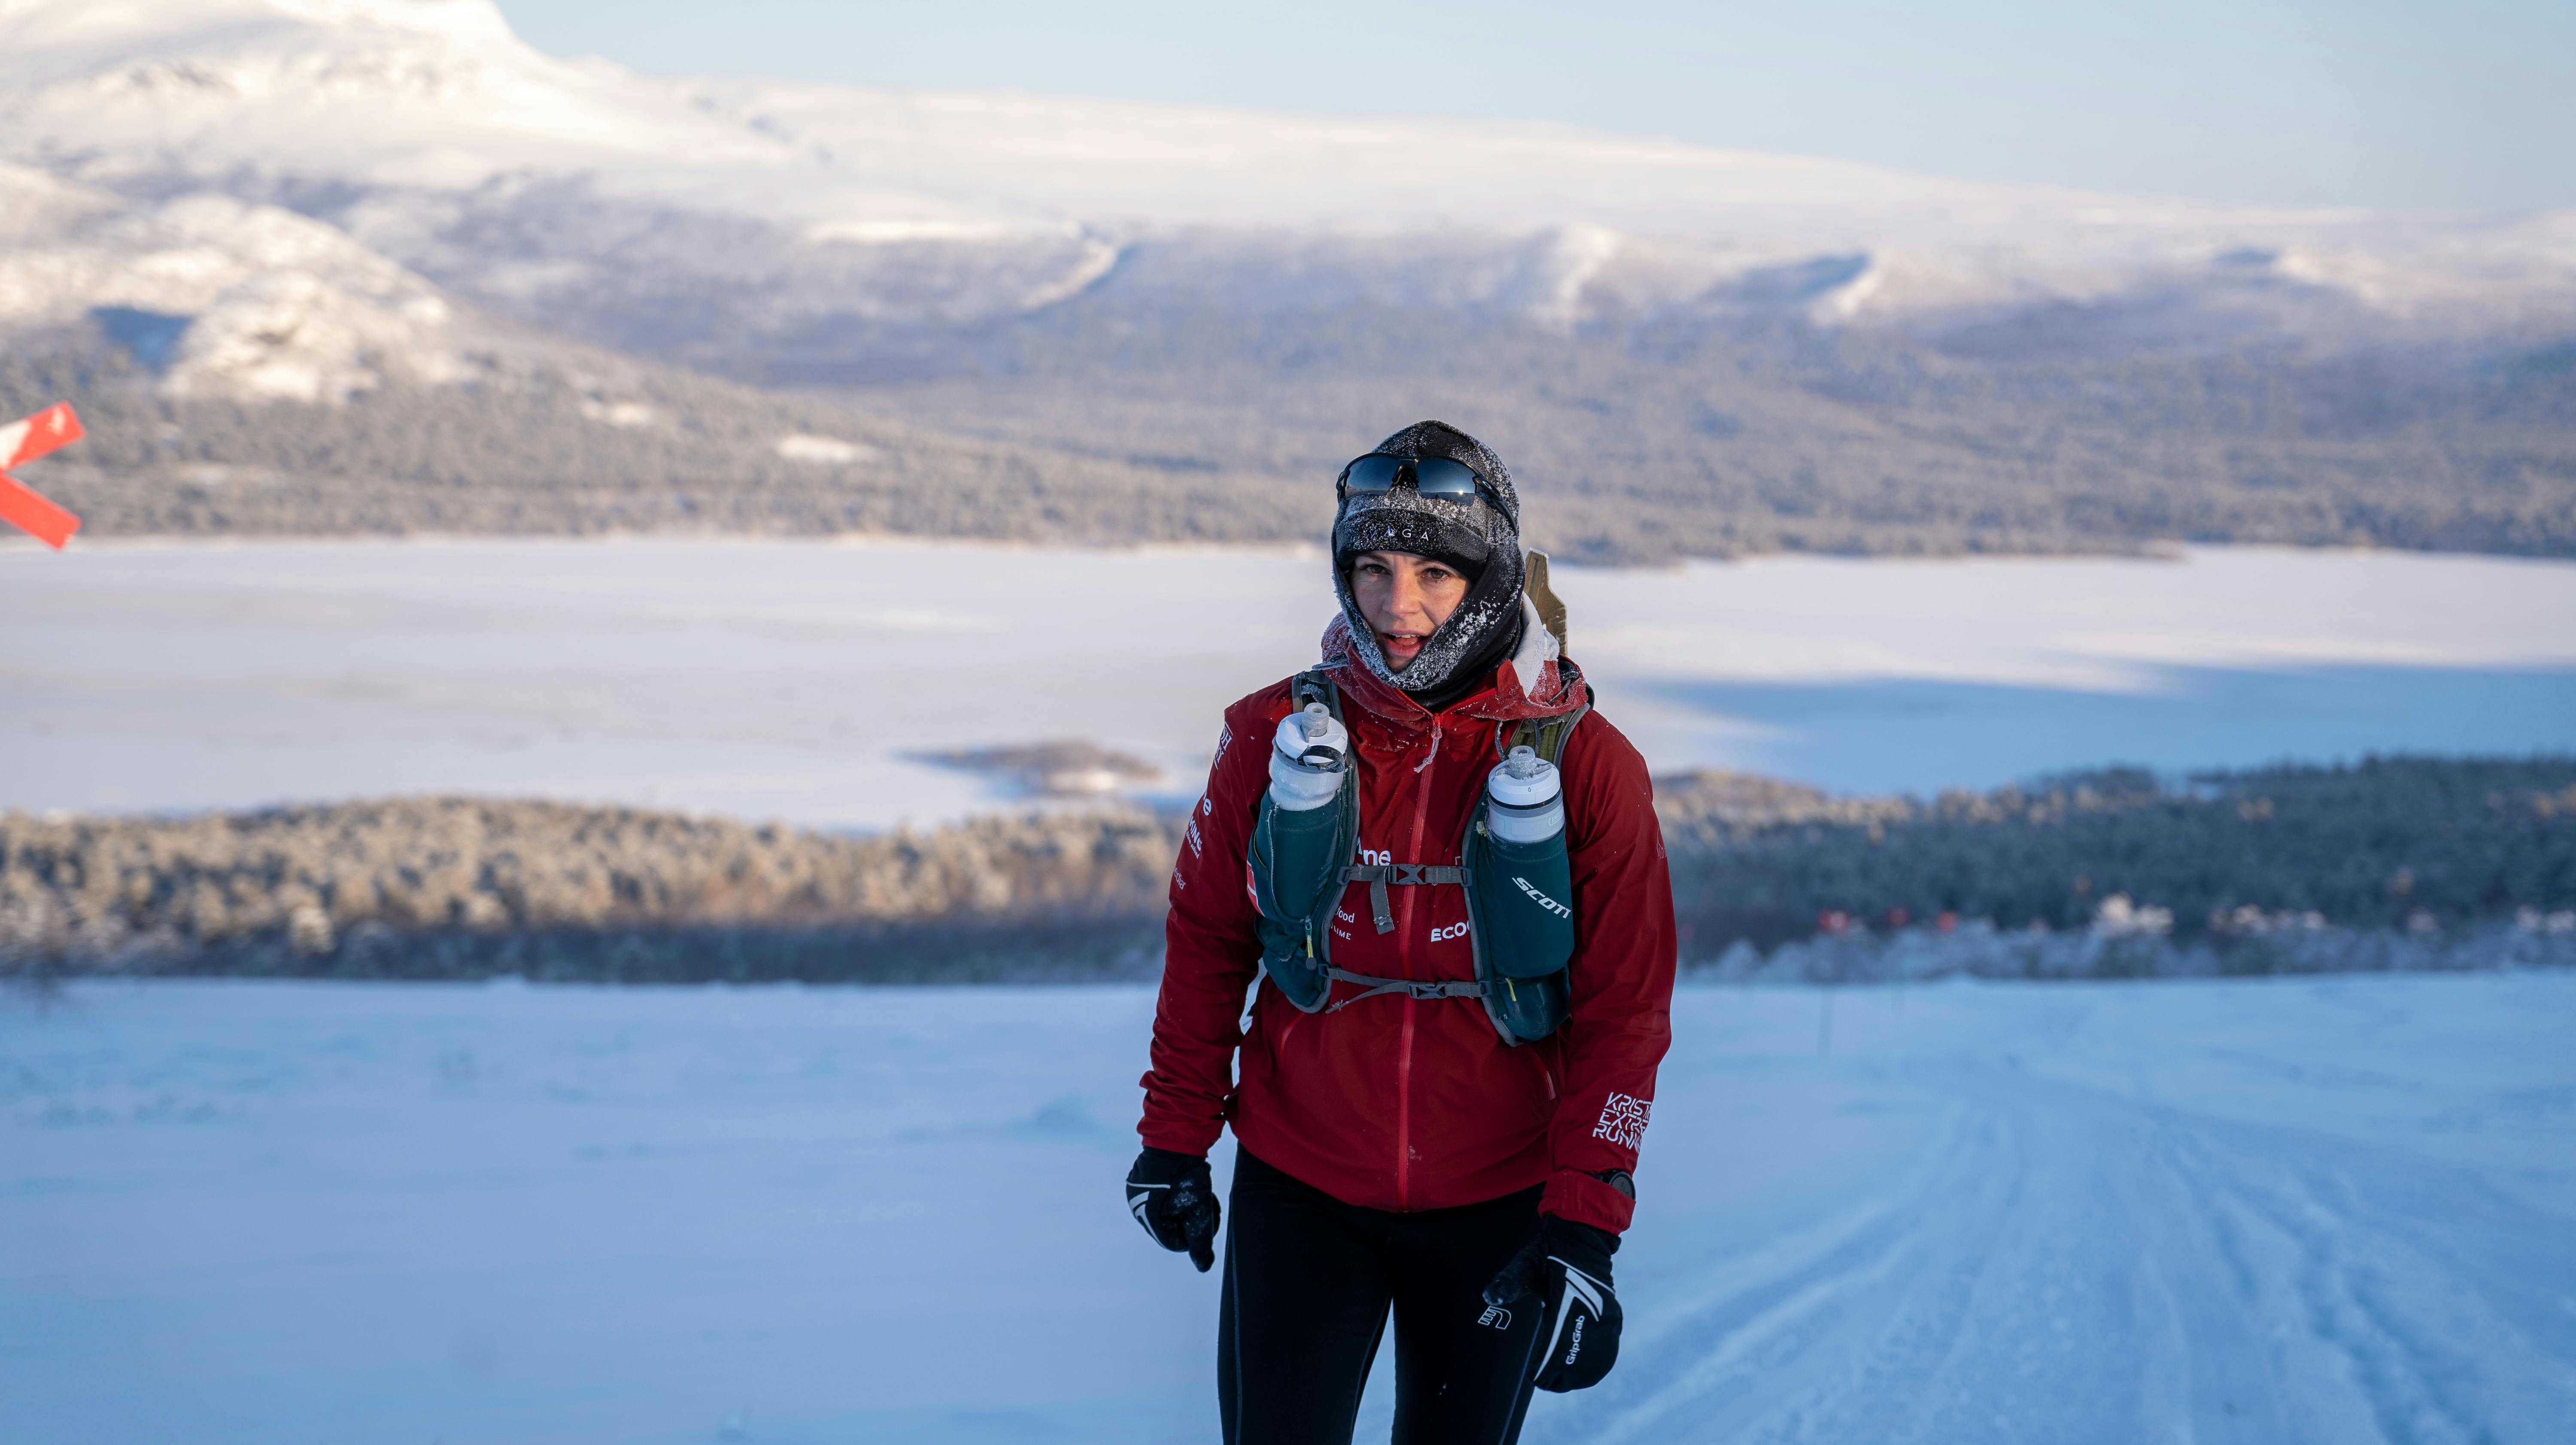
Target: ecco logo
1543 901
1377 859
1443 935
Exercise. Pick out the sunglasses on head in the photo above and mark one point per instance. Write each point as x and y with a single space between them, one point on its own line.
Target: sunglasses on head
1430 476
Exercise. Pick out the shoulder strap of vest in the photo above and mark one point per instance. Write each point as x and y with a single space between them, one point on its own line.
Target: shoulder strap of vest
1316 685
1545 736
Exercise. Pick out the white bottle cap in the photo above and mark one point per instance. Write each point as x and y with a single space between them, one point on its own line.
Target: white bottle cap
1523 779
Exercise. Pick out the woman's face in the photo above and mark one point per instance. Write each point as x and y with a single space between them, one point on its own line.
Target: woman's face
1405 598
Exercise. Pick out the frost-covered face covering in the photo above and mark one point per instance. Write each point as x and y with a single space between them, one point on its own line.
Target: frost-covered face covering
1477 535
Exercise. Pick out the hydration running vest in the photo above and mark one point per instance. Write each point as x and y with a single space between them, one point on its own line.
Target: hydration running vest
1520 896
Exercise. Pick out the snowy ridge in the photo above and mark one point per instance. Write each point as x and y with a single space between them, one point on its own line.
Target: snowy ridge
310 200
220 296
583 198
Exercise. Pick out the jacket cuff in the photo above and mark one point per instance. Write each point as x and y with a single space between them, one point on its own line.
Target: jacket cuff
1182 1137
1575 1195
1173 1129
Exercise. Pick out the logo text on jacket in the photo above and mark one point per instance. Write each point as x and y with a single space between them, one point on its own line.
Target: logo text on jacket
1623 1121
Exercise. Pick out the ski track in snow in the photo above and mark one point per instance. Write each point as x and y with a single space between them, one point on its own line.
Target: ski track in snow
2283 1211
2068 1263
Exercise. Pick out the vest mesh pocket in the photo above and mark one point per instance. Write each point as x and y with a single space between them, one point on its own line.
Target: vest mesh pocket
1297 860
1528 893
1522 896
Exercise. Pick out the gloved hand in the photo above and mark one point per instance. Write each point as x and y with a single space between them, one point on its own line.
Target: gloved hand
1171 1196
1568 1267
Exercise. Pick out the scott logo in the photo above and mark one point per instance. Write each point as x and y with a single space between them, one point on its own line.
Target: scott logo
1543 901
1494 1316
1443 935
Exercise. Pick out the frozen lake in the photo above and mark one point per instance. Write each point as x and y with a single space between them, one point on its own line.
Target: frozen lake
2323 1210
802 679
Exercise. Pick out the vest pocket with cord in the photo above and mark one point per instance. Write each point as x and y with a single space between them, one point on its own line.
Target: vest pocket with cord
1297 860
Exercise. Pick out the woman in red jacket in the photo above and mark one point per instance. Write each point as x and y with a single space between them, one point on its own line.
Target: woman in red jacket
1397 1152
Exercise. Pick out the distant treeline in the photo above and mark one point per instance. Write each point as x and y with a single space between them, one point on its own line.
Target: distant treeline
453 887
1105 420
2258 871
542 451
2392 863
2061 429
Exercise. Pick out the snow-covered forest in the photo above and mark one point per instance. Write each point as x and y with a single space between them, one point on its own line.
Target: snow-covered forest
590 446
2417 844
2398 863
448 887
1634 448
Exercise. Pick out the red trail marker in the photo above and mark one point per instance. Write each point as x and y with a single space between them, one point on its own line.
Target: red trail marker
49 430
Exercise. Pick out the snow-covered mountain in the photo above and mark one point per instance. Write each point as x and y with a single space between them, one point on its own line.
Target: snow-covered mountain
1108 319
219 295
715 222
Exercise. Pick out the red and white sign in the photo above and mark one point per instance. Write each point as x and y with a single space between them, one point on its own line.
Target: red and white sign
47 431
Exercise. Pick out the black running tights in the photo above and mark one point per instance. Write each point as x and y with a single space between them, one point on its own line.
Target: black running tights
1308 1284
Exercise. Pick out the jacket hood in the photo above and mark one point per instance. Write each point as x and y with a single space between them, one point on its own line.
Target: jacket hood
1480 537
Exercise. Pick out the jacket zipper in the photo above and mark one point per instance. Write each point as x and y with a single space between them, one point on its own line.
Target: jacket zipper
1404 962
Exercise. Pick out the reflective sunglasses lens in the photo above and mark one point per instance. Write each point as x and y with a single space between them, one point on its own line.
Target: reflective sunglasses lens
1372 474
1449 481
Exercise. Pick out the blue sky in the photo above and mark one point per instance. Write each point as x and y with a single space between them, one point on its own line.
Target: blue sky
2465 105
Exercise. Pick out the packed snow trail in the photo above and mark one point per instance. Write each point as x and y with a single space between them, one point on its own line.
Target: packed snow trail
2075 1267
2295 1210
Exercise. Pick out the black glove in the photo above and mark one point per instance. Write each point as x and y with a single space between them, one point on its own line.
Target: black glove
1170 1195
1568 1268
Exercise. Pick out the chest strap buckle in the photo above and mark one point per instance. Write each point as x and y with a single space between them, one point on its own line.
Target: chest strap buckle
1403 875
1410 988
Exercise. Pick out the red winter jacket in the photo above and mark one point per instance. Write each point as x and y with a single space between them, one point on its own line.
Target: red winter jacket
1397 1103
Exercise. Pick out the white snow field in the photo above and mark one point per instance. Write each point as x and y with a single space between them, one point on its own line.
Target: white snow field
802 680
2335 1210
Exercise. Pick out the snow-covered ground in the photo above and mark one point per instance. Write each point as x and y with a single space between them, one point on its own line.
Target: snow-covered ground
2336 1211
803 679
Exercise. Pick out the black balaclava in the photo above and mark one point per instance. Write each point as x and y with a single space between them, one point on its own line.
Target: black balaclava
1481 540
